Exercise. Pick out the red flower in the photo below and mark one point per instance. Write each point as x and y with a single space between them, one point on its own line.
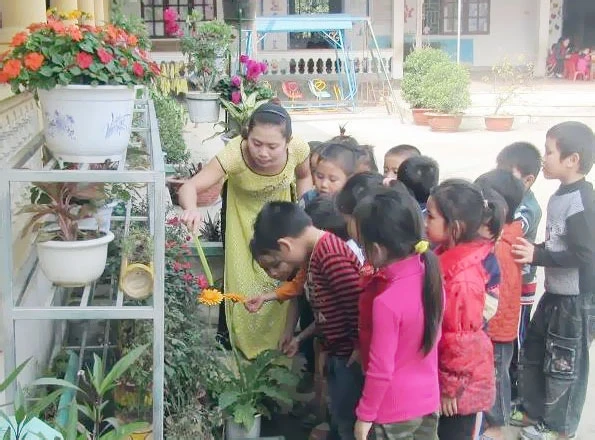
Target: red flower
174 221
12 68
202 282
177 266
155 68
188 277
3 78
33 61
104 55
84 60
19 38
138 69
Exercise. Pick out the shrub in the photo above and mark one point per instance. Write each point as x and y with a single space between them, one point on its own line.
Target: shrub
445 88
416 67
171 117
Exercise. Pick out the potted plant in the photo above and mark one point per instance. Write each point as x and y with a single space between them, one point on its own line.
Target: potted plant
241 94
183 173
206 44
416 67
137 273
63 245
507 80
445 89
84 77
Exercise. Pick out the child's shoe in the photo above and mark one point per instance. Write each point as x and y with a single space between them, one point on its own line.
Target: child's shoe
519 419
542 432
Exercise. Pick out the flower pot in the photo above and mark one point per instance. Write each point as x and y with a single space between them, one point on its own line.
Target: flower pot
499 123
58 260
136 279
236 11
235 431
420 116
444 122
101 221
142 434
87 124
203 107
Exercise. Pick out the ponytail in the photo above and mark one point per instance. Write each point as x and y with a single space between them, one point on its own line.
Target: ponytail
494 212
433 301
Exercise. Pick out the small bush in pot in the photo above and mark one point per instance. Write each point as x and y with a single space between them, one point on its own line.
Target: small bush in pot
416 67
446 91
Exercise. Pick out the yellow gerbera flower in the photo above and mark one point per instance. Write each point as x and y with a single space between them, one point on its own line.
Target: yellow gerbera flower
210 297
235 297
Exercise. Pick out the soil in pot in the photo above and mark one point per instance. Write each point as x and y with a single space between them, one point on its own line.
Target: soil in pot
420 116
499 123
444 122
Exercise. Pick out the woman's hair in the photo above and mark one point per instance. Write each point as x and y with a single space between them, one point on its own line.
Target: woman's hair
419 174
277 220
356 188
393 220
340 155
325 215
270 114
507 186
465 210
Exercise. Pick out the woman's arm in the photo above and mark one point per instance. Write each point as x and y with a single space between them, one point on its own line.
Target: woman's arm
303 177
187 195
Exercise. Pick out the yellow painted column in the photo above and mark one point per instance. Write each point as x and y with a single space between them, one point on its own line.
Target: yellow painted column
107 10
87 6
64 5
99 15
17 15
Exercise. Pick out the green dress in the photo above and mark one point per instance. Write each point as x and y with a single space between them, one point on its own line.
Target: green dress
247 192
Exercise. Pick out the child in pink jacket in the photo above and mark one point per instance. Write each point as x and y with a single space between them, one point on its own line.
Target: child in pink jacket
401 394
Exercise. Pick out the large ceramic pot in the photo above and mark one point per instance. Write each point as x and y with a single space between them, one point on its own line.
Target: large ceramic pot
58 260
235 431
444 122
499 122
419 116
87 124
236 11
203 107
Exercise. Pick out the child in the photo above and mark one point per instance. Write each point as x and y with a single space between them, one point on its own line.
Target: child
366 160
336 163
395 157
314 156
401 396
419 174
456 210
503 327
555 355
284 233
524 161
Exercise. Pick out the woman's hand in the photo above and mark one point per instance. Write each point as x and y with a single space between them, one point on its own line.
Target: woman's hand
192 219
448 406
362 429
254 304
292 347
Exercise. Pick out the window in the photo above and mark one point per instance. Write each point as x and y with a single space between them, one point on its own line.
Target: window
152 12
312 40
441 17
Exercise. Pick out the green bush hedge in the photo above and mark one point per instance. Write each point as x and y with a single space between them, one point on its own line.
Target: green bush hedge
416 67
171 117
445 88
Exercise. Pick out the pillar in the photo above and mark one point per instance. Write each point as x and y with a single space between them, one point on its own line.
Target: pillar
107 13
543 36
398 32
99 13
87 6
17 15
64 5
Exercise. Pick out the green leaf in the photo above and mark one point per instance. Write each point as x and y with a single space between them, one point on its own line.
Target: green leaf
46 71
46 401
75 70
228 398
12 376
97 373
244 415
275 394
121 367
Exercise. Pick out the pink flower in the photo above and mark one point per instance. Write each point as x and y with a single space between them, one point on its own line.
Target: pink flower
202 282
104 55
170 15
244 59
236 97
187 265
264 68
188 277
177 266
138 69
236 81
174 221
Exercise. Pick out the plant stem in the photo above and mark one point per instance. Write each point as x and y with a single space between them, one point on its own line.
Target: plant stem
203 261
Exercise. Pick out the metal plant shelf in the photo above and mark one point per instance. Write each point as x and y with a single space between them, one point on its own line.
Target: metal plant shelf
19 294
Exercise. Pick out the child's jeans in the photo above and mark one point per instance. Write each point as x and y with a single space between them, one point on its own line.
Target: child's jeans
459 427
423 428
554 367
344 390
524 321
499 415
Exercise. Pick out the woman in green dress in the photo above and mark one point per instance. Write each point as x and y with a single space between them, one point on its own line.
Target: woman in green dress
260 166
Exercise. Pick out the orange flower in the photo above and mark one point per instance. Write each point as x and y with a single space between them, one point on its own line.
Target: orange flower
3 78
12 68
235 297
33 61
132 40
210 297
4 54
19 38
37 26
57 26
74 33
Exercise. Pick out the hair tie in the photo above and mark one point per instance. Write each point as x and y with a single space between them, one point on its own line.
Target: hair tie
485 203
422 247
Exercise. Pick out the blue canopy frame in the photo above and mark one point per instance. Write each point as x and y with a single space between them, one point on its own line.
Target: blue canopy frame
331 26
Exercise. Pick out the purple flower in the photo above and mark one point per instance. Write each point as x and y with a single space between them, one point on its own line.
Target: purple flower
244 59
236 81
264 67
236 97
